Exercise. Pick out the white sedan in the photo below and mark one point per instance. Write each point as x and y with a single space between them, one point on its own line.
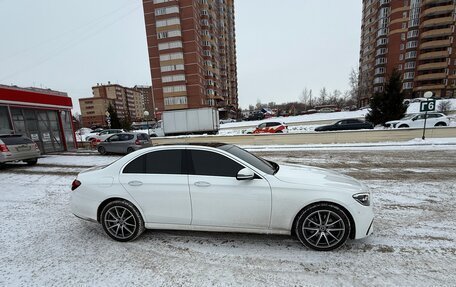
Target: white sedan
417 121
220 187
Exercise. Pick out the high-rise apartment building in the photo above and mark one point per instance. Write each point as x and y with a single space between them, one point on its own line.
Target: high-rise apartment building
128 103
415 37
192 53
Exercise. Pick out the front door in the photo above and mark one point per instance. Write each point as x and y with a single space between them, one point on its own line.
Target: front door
219 199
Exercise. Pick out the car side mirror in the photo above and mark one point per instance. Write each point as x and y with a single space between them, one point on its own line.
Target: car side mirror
245 174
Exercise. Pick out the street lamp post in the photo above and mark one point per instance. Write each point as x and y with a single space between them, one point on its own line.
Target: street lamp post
146 115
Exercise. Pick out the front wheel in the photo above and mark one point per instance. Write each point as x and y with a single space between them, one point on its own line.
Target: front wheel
403 126
101 150
440 124
130 150
122 221
322 227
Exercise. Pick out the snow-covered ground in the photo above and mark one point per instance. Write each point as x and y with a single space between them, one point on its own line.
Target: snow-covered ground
43 244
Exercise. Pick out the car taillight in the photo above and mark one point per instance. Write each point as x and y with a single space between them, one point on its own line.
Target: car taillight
3 148
37 147
76 183
137 142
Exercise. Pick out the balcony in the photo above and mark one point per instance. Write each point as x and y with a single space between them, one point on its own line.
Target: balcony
433 55
427 2
435 44
429 87
432 76
433 66
437 22
438 10
436 33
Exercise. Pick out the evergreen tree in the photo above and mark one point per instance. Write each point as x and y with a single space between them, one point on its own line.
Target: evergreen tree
388 105
115 122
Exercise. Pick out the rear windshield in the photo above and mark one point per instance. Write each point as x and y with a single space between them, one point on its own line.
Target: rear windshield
15 140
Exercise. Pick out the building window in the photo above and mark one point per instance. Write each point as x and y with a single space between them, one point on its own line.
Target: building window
401 57
168 22
402 46
170 45
166 10
412 34
410 65
173 78
412 44
172 56
161 1
174 89
410 55
171 68
409 75
169 34
175 101
407 85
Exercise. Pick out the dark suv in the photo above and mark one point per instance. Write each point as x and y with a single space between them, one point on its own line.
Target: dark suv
18 148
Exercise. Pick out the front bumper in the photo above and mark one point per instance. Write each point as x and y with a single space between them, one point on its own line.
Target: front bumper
363 216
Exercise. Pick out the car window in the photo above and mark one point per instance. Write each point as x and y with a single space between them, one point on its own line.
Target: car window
353 121
244 155
157 162
272 124
213 164
142 137
342 123
113 138
262 126
103 132
15 140
125 137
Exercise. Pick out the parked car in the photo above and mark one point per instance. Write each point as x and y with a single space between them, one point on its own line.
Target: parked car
417 121
18 148
226 121
223 188
123 143
255 116
271 127
347 124
101 136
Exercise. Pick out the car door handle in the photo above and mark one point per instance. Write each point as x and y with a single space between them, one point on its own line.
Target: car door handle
202 183
135 183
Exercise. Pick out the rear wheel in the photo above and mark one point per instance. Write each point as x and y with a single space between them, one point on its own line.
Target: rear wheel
31 161
101 150
130 150
322 227
403 126
122 221
279 132
440 124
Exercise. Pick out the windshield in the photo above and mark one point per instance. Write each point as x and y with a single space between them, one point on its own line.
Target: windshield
268 167
408 117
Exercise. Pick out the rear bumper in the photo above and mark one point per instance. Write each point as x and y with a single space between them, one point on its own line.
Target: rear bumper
8 157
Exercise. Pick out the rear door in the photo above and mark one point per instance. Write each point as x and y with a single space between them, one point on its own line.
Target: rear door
159 184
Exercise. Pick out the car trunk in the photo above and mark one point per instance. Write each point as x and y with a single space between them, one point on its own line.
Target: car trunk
19 146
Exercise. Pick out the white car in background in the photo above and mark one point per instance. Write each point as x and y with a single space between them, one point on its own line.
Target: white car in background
417 121
223 188
101 136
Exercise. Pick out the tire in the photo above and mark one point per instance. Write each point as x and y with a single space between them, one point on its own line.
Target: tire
153 135
279 132
101 150
403 126
31 161
322 227
122 221
130 150
440 124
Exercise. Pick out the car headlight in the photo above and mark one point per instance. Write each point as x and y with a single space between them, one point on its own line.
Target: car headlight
363 198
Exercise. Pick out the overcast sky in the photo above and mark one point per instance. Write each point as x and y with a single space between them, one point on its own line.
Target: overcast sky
282 46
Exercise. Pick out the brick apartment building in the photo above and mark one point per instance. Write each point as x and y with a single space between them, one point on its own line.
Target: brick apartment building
128 103
414 36
192 54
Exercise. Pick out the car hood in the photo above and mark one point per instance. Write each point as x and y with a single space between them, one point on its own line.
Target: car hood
314 176
393 122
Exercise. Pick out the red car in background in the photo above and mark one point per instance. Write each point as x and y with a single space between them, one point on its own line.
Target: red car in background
271 127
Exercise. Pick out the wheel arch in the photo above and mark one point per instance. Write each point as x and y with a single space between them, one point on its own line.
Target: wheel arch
111 199
350 217
441 124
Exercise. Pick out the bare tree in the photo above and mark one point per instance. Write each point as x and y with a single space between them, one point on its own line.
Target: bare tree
444 107
353 80
306 97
